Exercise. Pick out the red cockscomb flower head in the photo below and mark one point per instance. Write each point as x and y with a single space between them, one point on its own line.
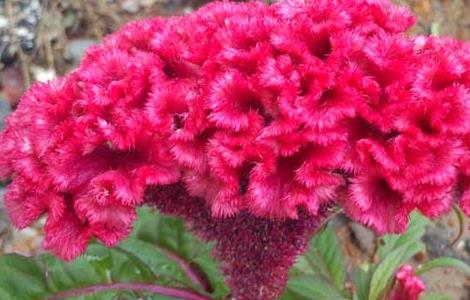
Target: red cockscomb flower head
408 286
252 115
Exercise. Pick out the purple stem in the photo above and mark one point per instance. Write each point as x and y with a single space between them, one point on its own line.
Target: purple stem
143 287
193 274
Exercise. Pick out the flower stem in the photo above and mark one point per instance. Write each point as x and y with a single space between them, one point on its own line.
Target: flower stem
193 274
143 287
460 217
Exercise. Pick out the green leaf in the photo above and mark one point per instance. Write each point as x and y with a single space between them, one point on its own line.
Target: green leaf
442 262
361 277
325 256
321 272
303 266
395 250
435 29
164 233
62 276
434 296
166 270
308 287
143 268
383 275
21 278
414 233
143 257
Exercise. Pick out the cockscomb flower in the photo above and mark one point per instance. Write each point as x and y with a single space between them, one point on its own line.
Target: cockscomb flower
408 286
251 116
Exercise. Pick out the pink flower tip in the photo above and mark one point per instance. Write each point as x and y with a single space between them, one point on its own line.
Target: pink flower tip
408 286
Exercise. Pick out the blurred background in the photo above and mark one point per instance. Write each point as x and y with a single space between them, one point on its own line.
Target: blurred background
43 39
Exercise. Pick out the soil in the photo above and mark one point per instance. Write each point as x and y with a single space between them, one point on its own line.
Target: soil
442 17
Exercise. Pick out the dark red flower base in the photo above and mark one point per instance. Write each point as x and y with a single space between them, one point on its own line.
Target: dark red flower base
255 253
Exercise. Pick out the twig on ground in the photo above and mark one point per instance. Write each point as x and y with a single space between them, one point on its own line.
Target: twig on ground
16 43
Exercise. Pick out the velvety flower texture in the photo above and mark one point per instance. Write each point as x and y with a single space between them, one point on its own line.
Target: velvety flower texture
408 286
255 116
